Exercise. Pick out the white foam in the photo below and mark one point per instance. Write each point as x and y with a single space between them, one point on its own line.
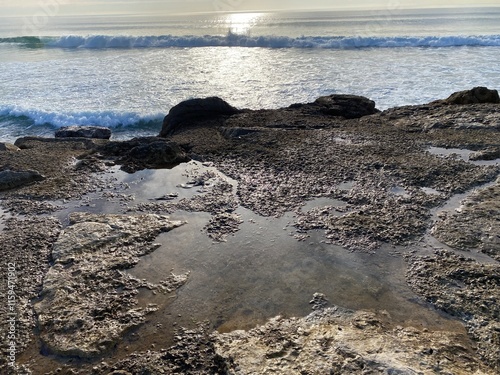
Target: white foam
351 42
108 119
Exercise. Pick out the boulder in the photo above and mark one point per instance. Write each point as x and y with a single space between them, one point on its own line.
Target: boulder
14 179
474 96
8 147
98 132
347 106
193 111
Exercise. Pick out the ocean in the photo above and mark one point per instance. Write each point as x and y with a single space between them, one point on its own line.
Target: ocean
126 72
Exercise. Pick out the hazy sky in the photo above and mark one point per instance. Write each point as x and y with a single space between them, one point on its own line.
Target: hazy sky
158 7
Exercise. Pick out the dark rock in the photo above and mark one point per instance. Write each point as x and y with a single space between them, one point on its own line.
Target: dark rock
8 147
98 132
159 154
195 110
347 106
474 96
142 153
75 143
13 179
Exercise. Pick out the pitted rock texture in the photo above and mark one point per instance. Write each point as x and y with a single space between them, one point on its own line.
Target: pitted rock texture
338 341
466 289
475 95
475 225
88 301
25 244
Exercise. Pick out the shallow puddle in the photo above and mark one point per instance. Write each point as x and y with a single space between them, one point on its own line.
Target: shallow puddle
263 271
460 153
430 191
322 202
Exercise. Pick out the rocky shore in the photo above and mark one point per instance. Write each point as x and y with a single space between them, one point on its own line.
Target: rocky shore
339 168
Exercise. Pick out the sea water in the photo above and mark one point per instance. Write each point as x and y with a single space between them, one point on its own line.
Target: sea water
126 72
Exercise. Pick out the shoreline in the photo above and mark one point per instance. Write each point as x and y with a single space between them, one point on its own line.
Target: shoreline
376 185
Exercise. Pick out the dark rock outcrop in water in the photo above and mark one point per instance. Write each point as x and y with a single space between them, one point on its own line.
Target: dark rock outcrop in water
13 179
194 110
347 106
98 132
474 96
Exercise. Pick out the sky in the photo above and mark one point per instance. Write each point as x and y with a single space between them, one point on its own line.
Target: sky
169 7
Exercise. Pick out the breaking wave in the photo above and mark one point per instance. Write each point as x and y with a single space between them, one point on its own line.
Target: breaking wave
235 40
108 119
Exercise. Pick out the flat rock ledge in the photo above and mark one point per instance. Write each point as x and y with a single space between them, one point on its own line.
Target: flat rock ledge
339 341
88 302
466 289
475 224
331 340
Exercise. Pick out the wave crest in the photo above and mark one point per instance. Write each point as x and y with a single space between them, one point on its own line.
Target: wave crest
108 119
235 40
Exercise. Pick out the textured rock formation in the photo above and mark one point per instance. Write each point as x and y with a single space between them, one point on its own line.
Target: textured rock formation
338 341
466 289
88 303
475 225
473 96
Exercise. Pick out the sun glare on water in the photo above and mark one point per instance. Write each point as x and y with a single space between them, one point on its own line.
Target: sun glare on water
242 23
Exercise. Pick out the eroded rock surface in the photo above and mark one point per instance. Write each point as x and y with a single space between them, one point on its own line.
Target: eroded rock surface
475 95
141 153
475 225
338 341
347 106
466 289
328 341
8 147
88 301
25 250
383 183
